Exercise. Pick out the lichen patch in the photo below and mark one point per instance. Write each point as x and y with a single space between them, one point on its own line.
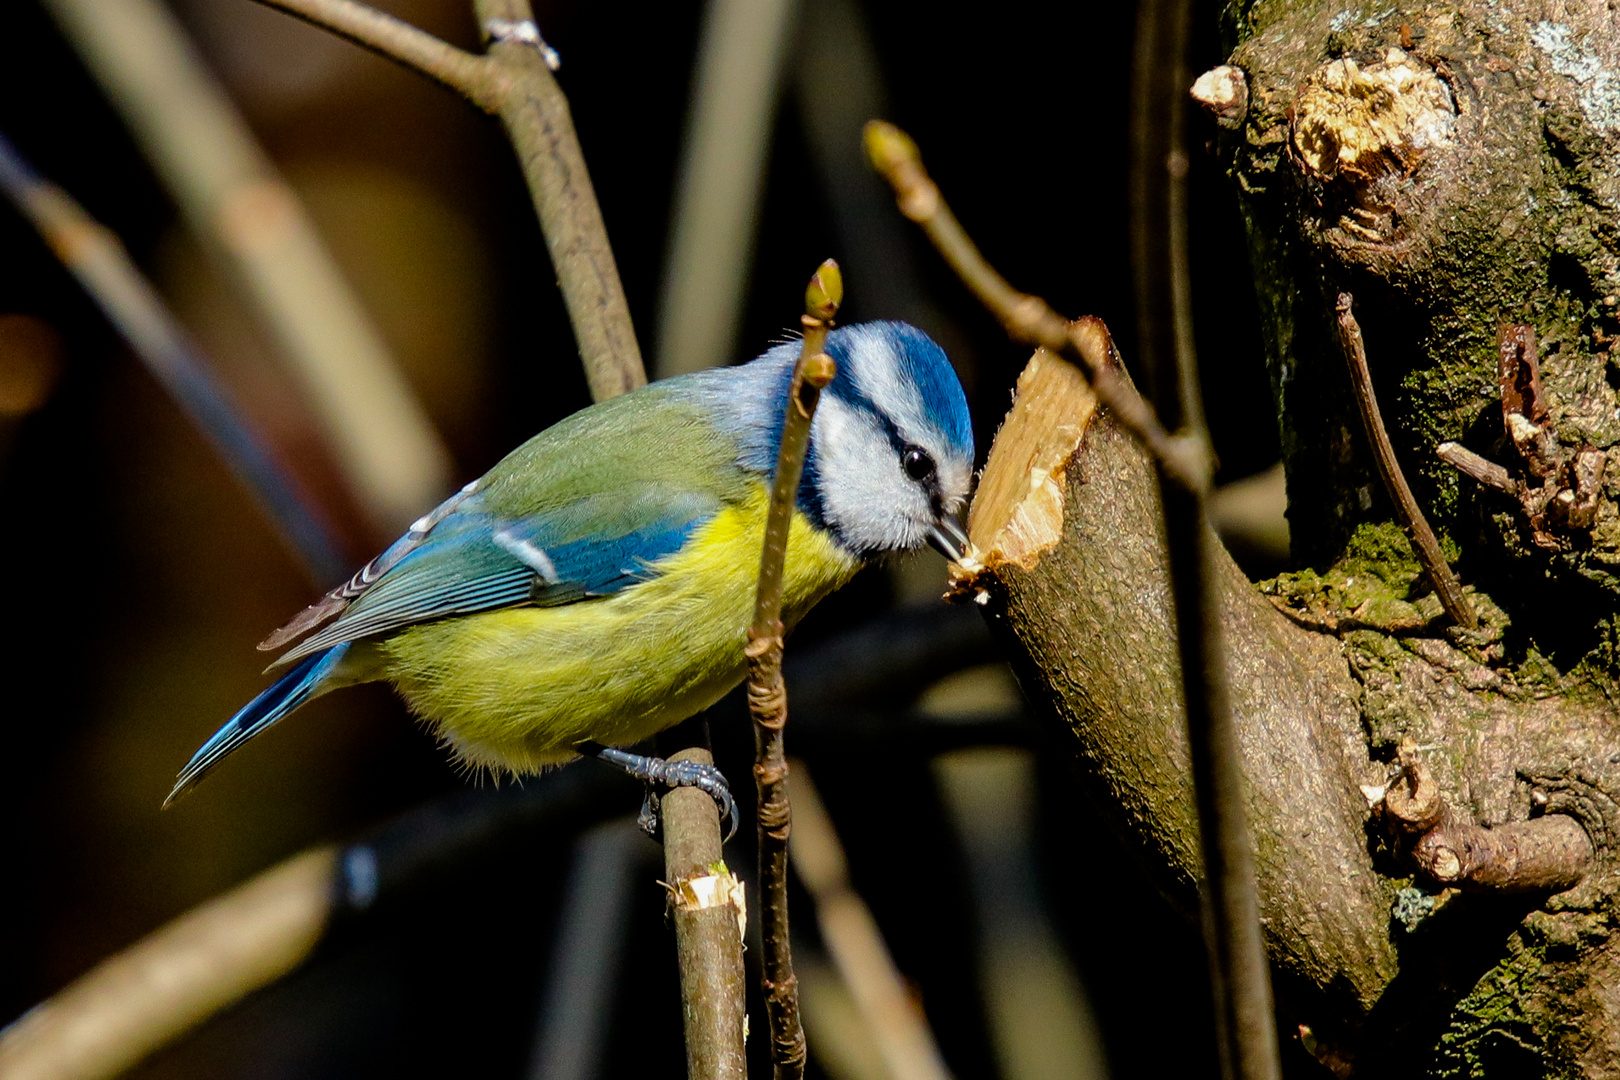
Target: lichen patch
1599 86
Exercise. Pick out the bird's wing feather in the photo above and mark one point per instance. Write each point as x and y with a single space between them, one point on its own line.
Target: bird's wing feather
475 560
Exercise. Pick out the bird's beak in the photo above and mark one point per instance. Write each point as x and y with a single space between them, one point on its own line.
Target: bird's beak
948 538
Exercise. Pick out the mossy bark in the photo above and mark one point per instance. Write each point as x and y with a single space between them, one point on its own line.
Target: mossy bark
1073 577
1464 175
1456 166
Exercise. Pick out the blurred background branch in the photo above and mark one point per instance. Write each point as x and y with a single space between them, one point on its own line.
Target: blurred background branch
174 979
728 139
514 81
235 200
891 1017
99 261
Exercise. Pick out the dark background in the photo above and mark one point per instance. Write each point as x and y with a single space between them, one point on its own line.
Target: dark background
139 576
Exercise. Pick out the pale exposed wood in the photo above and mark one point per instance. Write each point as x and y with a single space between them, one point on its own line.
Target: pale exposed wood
1017 510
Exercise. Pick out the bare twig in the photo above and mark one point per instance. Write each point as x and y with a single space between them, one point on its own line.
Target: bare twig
767 694
1550 853
466 73
97 258
1446 585
514 81
709 911
234 200
1029 319
1468 463
1245 1025
897 1025
172 980
1241 978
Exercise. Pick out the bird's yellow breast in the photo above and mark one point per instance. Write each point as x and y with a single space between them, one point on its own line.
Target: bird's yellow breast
516 689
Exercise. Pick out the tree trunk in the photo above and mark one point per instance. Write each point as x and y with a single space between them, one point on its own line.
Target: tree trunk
1379 977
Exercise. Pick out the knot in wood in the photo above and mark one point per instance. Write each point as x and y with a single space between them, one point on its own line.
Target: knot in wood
1223 92
1444 864
770 774
819 370
761 646
1413 801
768 703
776 818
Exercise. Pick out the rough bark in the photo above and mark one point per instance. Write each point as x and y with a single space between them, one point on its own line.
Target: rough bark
1456 165
1381 969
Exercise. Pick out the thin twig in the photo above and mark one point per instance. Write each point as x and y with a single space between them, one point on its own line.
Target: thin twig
1485 471
97 258
767 694
514 81
1242 980
1446 585
709 912
466 73
235 201
1245 1023
897 1025
1026 318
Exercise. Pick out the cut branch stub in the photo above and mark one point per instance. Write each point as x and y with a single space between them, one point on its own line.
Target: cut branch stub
1068 562
1545 854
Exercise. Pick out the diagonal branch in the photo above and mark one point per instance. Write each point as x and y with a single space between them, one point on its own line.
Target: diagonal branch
472 76
237 203
98 259
1446 585
514 81
1026 318
767 694
1241 979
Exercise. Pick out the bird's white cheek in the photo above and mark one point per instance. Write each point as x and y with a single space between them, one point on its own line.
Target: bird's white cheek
956 480
868 498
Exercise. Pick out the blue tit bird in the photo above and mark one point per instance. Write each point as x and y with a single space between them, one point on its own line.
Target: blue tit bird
595 587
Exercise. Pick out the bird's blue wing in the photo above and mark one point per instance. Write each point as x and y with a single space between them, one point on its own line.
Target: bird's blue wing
473 560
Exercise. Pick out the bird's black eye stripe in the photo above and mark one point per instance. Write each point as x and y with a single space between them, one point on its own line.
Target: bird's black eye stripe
918 465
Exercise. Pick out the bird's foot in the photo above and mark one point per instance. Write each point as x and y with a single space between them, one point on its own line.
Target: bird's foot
661 773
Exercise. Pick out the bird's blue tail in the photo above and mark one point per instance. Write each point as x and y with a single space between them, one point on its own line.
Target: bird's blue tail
284 695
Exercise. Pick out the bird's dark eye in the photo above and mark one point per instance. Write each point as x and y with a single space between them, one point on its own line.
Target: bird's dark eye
918 465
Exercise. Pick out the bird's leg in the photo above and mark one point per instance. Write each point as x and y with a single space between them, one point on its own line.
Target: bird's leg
659 772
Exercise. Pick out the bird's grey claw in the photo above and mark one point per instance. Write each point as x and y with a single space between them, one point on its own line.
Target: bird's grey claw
705 778
659 772
648 820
